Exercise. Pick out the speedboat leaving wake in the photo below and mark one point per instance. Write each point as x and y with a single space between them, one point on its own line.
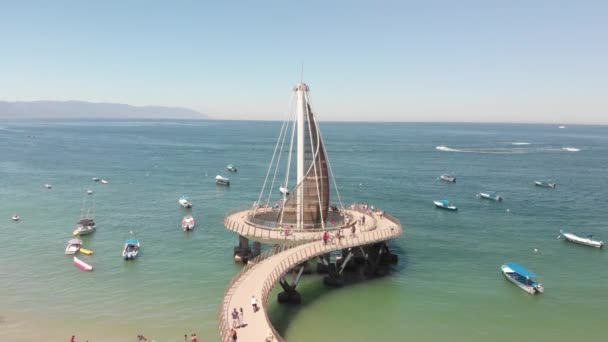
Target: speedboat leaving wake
570 149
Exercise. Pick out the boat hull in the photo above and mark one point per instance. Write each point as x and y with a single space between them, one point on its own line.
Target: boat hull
528 288
490 197
82 265
545 185
130 254
446 207
72 249
83 231
582 241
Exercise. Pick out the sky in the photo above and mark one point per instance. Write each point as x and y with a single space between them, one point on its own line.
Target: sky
422 61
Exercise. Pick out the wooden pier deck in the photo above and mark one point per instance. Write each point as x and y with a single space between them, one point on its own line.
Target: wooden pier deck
259 276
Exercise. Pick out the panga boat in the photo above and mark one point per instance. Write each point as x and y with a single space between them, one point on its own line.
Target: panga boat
103 181
188 223
48 186
284 190
445 204
490 196
222 180
95 179
16 217
89 192
448 178
82 265
231 168
184 202
588 241
73 246
545 184
130 249
521 277
84 227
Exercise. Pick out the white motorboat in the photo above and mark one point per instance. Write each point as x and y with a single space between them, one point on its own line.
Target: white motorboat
570 149
445 204
448 178
48 186
222 180
84 227
73 246
89 192
16 217
490 196
130 249
284 190
521 277
587 241
545 184
95 179
188 223
185 202
103 181
231 168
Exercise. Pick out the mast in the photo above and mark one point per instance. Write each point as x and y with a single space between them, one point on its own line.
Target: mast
301 104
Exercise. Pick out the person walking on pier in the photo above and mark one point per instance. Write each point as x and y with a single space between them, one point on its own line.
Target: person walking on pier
254 304
235 319
354 229
241 318
233 335
325 237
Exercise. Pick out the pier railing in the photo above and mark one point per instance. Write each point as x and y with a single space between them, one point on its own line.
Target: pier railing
296 253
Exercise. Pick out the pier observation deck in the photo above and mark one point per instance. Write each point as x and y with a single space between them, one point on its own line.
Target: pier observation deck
261 274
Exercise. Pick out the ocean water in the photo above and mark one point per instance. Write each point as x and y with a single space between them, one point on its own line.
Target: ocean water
446 286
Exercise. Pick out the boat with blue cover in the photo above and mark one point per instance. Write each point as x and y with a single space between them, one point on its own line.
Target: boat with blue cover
445 204
523 278
130 249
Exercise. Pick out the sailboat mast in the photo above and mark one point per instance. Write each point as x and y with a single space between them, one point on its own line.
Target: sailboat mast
301 104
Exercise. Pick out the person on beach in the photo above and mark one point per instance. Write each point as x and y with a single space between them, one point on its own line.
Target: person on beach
235 319
73 339
241 318
185 337
233 335
254 304
193 338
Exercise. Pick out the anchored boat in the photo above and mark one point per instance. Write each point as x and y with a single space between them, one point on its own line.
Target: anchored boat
16 217
545 184
48 186
490 195
448 178
84 227
588 241
231 168
82 265
222 180
521 277
86 224
185 202
95 179
103 181
73 246
445 204
188 223
130 249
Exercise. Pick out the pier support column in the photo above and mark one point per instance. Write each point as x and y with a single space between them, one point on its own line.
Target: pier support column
289 294
242 252
323 264
334 277
257 247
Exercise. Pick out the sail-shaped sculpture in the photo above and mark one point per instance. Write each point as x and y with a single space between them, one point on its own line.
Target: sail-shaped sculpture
307 206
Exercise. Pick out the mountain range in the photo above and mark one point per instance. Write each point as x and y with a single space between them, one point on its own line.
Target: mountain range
82 109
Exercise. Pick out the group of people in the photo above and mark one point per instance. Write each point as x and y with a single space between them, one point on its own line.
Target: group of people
238 318
331 237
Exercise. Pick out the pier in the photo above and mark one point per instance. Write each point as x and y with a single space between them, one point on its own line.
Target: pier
262 273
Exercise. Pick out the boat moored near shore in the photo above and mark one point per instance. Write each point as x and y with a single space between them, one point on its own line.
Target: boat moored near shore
130 249
73 246
231 168
222 180
15 217
448 178
490 195
188 223
587 241
521 277
545 184
445 204
185 202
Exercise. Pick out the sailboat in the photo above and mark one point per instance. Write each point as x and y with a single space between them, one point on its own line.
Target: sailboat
86 224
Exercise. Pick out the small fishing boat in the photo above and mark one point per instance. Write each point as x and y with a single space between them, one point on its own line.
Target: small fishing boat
184 202
222 180
188 223
545 184
284 190
448 178
130 249
95 179
16 217
84 227
521 277
82 265
231 168
103 181
73 246
587 241
445 204
490 195
570 149
89 192
48 186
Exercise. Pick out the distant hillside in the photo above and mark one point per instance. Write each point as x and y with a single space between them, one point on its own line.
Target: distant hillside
81 109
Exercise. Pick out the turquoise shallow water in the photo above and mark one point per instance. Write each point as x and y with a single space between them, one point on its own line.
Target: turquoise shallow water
447 285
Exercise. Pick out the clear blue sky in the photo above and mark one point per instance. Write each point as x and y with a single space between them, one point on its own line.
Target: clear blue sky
506 61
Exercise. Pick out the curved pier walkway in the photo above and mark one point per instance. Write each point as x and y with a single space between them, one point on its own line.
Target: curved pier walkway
260 275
